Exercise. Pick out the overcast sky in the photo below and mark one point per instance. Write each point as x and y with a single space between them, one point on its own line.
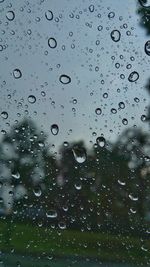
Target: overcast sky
98 66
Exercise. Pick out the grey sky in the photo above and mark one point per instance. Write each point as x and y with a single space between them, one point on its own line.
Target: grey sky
87 59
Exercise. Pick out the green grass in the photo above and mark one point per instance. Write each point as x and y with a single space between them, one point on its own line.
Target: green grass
35 240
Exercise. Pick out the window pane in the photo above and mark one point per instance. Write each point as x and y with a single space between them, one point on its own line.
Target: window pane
74 133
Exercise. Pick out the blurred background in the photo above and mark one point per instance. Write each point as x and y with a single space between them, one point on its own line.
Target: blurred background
75 135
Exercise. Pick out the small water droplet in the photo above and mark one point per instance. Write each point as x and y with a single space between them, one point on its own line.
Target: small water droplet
136 99
17 73
49 15
101 141
91 8
133 198
52 43
4 115
147 47
125 121
133 77
121 182
31 99
143 118
111 15
16 175
10 15
121 105
54 129
98 111
51 214
64 79
113 110
78 186
115 35
62 225
41 144
144 248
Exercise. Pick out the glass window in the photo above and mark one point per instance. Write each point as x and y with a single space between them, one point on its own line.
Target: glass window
74 133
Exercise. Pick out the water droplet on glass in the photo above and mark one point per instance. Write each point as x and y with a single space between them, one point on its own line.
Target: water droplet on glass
111 15
4 115
143 118
101 141
115 35
121 105
37 192
91 8
113 110
133 77
98 111
52 42
121 182
54 129
62 225
41 144
49 15
133 198
64 79
78 186
145 3
136 99
125 121
16 175
51 214
147 47
17 73
79 154
10 15
31 99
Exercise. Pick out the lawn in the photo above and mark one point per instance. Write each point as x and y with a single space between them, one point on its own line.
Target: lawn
33 240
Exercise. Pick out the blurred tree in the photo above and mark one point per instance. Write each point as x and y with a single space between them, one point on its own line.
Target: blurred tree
23 166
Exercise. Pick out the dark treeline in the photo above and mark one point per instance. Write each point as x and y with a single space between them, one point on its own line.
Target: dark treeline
87 189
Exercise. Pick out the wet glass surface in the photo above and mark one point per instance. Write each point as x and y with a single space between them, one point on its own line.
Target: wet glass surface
74 133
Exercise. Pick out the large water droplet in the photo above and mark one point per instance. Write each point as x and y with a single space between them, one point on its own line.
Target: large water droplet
65 79
133 77
147 47
37 192
79 154
17 73
52 42
10 15
101 141
51 214
145 3
49 15
115 35
31 99
4 115
54 129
